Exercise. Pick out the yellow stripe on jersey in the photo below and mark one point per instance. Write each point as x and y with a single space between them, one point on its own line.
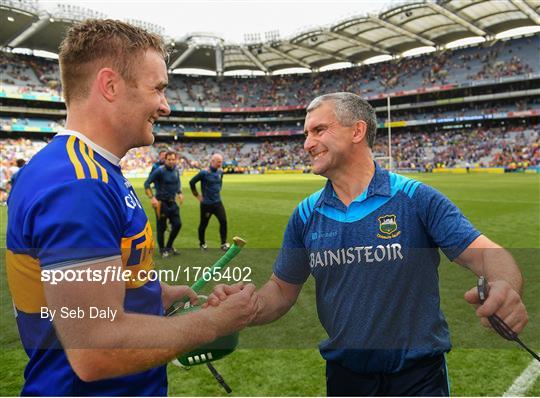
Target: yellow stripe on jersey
24 280
146 263
91 165
73 157
104 175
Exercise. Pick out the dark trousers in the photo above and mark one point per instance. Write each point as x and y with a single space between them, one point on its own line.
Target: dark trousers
207 211
428 377
167 210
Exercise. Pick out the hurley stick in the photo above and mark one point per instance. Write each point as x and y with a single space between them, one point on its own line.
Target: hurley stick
222 262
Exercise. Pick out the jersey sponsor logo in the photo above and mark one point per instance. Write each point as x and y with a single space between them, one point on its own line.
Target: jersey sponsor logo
388 227
323 235
356 255
132 201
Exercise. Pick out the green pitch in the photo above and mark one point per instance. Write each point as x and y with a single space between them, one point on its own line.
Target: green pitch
282 358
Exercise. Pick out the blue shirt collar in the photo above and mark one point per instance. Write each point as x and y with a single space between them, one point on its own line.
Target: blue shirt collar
379 185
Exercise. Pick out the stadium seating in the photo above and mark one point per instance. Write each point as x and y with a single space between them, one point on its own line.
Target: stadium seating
493 147
492 60
474 110
22 73
413 148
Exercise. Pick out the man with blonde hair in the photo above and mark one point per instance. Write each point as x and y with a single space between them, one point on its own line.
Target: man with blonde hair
80 247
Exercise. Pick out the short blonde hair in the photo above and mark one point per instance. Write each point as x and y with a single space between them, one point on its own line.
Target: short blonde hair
98 43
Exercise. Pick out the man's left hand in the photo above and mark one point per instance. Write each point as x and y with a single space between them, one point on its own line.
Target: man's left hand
171 294
503 301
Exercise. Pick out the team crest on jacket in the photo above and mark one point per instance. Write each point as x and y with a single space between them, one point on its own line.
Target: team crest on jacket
388 227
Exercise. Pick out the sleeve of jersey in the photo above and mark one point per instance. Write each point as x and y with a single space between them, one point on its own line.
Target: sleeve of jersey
292 263
445 223
151 178
195 179
77 222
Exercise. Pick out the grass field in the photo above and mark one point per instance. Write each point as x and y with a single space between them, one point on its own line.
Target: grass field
282 359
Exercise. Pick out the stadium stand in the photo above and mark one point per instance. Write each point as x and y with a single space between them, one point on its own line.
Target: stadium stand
475 106
508 58
23 73
495 147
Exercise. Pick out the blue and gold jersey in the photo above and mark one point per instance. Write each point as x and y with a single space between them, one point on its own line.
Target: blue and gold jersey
375 265
72 205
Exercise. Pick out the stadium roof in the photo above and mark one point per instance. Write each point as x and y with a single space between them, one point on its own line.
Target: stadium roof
391 32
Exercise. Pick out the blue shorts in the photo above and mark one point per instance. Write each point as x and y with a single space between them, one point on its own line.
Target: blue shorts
428 377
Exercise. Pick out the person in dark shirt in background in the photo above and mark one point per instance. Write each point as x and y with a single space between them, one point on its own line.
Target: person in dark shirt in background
166 180
211 183
160 161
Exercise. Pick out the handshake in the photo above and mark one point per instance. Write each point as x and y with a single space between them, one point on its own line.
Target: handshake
231 308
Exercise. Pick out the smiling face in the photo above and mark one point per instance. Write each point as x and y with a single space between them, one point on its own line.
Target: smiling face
144 100
328 143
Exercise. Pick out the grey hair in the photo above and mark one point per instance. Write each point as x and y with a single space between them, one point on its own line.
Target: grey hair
349 108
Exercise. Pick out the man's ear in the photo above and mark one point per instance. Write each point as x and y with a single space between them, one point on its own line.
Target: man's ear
108 83
360 131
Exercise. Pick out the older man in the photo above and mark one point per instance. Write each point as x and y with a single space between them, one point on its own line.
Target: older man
370 238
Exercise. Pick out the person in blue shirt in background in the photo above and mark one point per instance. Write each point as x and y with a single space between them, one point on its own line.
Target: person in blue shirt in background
370 238
160 162
166 202
211 204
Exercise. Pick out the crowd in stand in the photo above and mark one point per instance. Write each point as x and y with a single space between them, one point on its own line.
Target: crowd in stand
251 156
6 123
488 61
485 62
494 147
13 150
492 68
448 148
251 128
280 124
25 73
19 148
466 109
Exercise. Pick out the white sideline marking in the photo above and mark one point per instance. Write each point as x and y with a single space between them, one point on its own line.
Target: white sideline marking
524 381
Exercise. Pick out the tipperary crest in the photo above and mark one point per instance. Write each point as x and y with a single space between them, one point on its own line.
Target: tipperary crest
388 227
